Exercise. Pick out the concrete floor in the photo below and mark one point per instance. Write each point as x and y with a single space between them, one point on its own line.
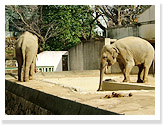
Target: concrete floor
81 86
90 84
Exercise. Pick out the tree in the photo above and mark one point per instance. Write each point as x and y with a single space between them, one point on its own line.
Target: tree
57 27
29 18
73 22
118 15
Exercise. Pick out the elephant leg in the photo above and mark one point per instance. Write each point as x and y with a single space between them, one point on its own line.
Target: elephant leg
145 79
27 68
26 78
147 65
20 63
127 71
106 68
20 77
31 72
140 74
19 72
32 68
121 65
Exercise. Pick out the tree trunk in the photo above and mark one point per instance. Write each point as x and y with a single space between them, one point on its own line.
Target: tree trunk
41 44
119 17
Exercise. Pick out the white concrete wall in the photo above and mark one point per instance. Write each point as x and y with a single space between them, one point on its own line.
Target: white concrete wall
86 55
146 29
51 58
121 32
76 57
147 15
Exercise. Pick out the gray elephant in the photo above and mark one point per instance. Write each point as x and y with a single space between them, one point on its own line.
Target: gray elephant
26 52
128 52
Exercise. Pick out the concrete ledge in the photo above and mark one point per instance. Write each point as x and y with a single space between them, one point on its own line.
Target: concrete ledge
115 86
53 104
67 73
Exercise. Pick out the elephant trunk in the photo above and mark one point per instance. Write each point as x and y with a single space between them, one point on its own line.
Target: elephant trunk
102 68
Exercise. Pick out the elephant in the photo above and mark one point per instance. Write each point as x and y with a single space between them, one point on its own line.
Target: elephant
128 52
26 48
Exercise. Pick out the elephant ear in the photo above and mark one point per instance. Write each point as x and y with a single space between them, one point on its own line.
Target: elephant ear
113 51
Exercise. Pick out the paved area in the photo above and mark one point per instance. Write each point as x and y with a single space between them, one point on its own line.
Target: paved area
81 86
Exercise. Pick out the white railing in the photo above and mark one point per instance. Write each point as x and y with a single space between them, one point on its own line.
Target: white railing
45 68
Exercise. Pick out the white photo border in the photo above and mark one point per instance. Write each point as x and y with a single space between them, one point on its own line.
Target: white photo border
83 117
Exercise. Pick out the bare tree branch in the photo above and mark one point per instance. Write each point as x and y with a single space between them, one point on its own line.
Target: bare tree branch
91 25
22 29
30 24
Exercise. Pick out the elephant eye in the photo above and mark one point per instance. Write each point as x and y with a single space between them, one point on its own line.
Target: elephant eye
113 57
104 57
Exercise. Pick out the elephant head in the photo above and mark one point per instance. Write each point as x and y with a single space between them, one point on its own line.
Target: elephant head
109 54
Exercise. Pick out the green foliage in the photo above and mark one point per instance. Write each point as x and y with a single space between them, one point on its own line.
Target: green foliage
9 54
58 27
71 23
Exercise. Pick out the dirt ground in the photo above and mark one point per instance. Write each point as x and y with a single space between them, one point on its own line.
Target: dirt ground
81 86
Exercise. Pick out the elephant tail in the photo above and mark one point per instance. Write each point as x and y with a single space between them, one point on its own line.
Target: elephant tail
36 57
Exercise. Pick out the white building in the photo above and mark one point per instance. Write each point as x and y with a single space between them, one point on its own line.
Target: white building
51 61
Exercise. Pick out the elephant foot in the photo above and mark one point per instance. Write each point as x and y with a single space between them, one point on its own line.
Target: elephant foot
126 80
19 79
145 81
99 89
30 78
139 81
26 80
